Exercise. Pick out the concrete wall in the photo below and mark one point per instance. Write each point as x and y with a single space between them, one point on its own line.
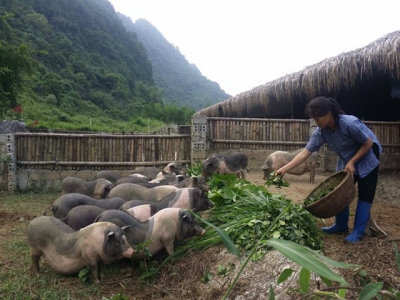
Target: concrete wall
327 160
29 179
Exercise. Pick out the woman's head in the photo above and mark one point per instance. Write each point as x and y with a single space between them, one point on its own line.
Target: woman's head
320 106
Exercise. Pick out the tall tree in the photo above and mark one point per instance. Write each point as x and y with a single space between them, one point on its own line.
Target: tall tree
14 63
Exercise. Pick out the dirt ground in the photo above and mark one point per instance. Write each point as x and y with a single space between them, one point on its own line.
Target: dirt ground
375 255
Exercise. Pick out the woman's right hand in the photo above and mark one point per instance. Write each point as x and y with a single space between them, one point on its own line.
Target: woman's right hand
280 172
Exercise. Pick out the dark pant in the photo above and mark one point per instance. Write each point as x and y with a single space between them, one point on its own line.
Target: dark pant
367 185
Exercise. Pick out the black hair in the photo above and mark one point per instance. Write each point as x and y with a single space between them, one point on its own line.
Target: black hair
320 106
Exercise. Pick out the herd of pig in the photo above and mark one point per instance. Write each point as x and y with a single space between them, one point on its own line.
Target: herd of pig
99 221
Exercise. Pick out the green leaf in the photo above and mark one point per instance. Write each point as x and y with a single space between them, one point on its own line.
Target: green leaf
207 277
276 234
304 280
285 275
326 281
224 237
305 258
396 251
84 274
342 293
363 273
370 291
271 295
334 263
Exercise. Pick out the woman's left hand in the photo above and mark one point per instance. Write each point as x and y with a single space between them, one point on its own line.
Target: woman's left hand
350 168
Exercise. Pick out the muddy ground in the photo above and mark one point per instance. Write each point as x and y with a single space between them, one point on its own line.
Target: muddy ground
183 280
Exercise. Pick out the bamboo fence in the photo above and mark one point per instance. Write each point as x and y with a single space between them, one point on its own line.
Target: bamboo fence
256 134
125 151
97 151
284 134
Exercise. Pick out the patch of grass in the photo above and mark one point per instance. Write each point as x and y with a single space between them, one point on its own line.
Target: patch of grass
32 203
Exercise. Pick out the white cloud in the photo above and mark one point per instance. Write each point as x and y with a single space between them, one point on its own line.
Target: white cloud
245 43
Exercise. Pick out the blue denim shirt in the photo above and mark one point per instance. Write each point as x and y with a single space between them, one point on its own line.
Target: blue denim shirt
349 136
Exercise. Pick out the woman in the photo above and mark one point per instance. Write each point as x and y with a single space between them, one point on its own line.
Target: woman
358 150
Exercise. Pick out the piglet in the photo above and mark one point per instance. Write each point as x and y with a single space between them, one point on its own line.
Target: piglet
162 229
67 250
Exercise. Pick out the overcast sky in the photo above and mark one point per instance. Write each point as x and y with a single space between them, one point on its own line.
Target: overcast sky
241 44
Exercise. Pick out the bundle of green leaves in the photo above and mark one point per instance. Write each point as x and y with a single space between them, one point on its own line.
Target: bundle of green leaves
314 197
275 180
244 211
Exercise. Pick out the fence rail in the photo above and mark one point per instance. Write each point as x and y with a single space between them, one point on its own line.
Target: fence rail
77 151
253 134
283 134
34 155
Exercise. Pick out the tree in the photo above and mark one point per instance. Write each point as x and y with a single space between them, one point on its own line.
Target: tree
14 63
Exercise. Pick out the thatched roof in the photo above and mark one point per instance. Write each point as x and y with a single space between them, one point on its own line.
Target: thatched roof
344 76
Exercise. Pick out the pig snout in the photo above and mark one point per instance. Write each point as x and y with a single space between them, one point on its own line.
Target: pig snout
128 253
197 231
266 169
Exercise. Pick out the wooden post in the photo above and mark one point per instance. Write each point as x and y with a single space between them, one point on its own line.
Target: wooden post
200 141
7 160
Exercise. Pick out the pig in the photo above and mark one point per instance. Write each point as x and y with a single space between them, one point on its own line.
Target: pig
194 181
137 180
233 163
114 178
150 172
162 229
175 168
97 189
67 250
140 176
131 191
168 177
82 216
188 198
278 159
148 184
63 204
109 175
142 212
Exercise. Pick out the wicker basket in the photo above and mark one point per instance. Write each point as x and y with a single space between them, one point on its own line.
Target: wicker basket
331 204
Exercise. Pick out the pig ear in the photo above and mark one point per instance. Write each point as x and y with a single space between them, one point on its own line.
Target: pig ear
110 235
125 227
185 215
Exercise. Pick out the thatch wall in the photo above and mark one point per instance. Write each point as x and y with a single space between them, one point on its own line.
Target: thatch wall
376 67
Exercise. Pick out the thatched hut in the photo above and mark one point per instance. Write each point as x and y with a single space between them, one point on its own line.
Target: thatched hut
366 83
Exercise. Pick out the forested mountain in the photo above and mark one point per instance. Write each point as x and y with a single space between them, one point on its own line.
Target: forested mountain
74 61
181 82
